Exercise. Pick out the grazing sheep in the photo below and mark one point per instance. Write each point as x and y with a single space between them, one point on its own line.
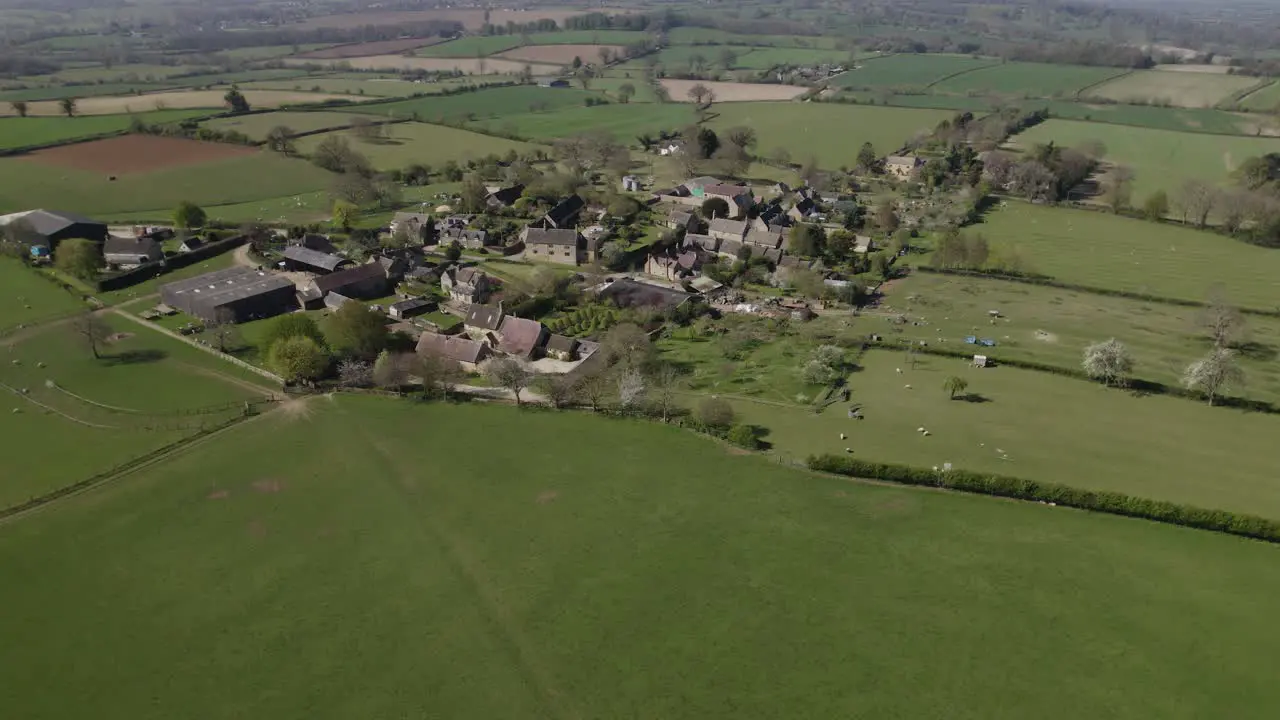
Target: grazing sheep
907 387
899 371
849 450
842 436
919 429
926 433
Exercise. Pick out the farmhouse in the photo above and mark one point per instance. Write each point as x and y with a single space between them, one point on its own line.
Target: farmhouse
466 285
415 225
470 239
682 220
314 241
628 293
297 257
738 197
483 319
520 337
567 247
725 229
901 165
805 210
707 243
237 294
562 347
764 238
52 227
467 353
563 215
131 252
363 282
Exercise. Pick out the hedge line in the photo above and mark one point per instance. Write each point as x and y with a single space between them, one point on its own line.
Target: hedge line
1136 384
1046 281
1112 503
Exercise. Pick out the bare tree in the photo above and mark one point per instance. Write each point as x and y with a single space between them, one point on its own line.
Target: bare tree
1119 188
666 382
391 370
1213 374
355 373
1222 322
1196 199
593 388
509 373
1234 206
558 389
222 329
93 330
1109 362
698 93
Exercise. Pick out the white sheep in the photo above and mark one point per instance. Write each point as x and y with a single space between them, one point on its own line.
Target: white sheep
919 429
907 387
899 371
926 433
842 436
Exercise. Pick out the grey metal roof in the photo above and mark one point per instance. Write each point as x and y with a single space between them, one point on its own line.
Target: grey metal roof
50 222
223 286
351 276
129 246
314 258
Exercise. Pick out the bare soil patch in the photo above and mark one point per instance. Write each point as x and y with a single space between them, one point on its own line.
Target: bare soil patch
176 100
136 154
380 47
269 487
548 496
118 337
733 92
557 54
219 495
1211 69
470 66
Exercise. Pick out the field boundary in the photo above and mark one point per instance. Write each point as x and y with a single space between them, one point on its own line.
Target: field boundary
1234 99
212 351
1254 91
1079 93
945 78
1053 494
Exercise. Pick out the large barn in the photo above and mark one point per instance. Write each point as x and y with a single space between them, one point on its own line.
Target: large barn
54 226
236 294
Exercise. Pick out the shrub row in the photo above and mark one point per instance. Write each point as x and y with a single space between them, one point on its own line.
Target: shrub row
1112 503
1046 281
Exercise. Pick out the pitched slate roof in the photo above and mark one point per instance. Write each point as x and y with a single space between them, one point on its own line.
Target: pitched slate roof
564 213
129 246
706 242
314 258
506 195
541 236
49 222
561 343
345 278
764 238
485 317
458 349
519 336
737 228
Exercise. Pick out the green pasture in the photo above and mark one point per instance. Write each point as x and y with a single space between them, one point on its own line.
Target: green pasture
487 103
131 72
300 208
1207 120
766 58
338 545
257 126
1049 427
35 92
1180 89
472 46
908 71
623 121
270 52
27 298
831 133
485 45
960 103
1025 79
1053 326
146 378
610 84
25 184
1161 159
410 142
1265 99
1101 250
686 35
17 132
373 87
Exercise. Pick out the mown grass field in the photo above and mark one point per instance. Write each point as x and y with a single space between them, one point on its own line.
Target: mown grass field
374 87
412 142
26 297
16 132
831 133
622 121
1051 428
25 184
1053 326
1101 250
1181 89
713 37
488 103
1026 79
1265 99
483 46
337 546
147 376
908 71
1159 118
1161 160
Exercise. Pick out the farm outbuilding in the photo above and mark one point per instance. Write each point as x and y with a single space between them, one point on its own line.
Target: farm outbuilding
237 294
54 226
297 257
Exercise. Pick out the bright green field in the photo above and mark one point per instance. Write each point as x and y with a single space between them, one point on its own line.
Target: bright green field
474 46
1026 79
1185 119
1053 326
257 126
1181 89
1052 428
1102 250
147 374
1264 100
25 297
908 70
623 121
34 93
705 36
411 142
508 583
482 46
492 102
16 132
342 86
25 184
829 132
1161 160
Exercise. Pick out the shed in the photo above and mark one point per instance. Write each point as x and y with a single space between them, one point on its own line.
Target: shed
409 308
297 257
562 347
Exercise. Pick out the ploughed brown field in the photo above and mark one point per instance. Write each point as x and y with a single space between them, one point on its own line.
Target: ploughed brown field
380 47
557 54
135 154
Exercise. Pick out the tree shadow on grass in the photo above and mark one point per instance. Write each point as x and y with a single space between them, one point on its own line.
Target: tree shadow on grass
134 357
1257 351
761 433
975 398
